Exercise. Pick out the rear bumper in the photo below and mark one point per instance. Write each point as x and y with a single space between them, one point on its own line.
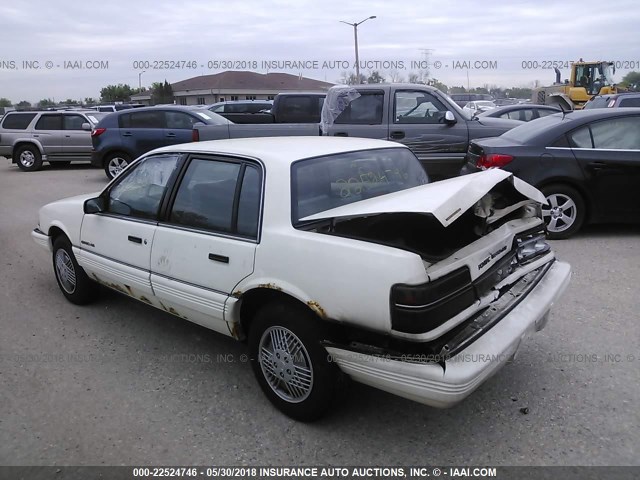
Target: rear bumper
438 386
42 239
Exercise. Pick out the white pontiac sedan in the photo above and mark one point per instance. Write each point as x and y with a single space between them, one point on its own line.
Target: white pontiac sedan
332 257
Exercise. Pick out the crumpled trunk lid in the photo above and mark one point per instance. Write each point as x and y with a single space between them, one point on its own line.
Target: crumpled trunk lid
446 200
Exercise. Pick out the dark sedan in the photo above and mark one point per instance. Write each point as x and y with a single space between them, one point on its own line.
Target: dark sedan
523 112
587 164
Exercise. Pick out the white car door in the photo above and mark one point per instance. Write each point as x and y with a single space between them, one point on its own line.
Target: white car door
207 243
116 243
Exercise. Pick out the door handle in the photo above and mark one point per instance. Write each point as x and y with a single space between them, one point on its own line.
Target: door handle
218 258
397 135
126 134
171 135
134 239
598 165
68 136
35 136
341 134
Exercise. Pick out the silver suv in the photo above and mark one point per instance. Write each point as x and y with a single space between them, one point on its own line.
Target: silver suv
31 138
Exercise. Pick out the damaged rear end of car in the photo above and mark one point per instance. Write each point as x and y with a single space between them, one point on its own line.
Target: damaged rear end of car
491 279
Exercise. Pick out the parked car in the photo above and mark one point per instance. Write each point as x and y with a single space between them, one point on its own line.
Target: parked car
122 136
522 112
475 108
414 284
613 100
59 137
586 162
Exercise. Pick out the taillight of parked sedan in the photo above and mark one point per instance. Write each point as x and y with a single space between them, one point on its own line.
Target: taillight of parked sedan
493 160
96 132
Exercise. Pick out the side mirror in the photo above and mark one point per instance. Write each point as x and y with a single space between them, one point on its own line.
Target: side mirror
86 126
94 205
449 117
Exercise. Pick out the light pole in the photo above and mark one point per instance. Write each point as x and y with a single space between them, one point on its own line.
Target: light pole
140 80
355 38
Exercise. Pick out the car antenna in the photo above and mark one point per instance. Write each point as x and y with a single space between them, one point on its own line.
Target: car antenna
564 112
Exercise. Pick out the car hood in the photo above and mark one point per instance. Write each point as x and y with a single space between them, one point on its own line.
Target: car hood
446 200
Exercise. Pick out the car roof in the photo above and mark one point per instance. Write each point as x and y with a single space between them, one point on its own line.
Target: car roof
281 149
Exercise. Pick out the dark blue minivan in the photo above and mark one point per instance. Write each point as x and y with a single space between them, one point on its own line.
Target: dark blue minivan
121 137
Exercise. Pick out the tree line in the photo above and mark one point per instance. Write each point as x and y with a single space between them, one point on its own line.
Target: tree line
163 93
160 93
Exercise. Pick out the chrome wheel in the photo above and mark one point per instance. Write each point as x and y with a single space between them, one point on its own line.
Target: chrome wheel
285 364
65 271
116 165
27 158
560 214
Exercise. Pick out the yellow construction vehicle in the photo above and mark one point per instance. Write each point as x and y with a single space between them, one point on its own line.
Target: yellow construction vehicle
587 79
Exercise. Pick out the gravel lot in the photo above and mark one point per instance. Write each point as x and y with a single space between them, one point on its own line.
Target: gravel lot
120 383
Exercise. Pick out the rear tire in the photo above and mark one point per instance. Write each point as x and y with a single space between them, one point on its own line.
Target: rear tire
114 163
290 364
565 213
28 158
72 279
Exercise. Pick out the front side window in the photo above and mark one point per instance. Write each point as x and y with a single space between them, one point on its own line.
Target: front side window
140 192
73 122
328 182
206 198
417 107
180 120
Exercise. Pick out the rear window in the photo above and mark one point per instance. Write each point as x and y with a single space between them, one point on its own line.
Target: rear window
323 183
597 102
528 131
17 121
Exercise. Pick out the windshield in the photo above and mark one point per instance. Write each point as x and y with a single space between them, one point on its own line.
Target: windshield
323 183
526 132
597 102
211 118
485 103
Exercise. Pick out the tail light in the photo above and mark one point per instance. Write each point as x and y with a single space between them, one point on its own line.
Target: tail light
195 135
96 132
493 160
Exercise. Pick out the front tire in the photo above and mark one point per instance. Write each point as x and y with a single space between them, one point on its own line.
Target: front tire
28 158
114 163
72 279
565 213
290 364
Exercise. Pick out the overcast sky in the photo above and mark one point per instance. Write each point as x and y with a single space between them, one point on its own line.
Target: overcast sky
502 34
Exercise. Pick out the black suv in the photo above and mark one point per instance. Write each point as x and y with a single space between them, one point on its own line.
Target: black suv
123 136
614 100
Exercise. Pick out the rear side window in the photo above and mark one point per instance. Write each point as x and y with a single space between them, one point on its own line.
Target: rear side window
153 119
18 121
610 134
206 198
180 120
364 110
49 122
298 108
